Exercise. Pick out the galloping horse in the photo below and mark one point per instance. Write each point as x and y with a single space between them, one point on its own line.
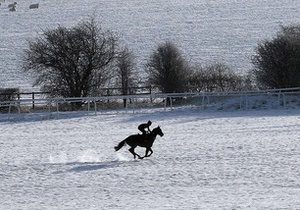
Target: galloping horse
145 140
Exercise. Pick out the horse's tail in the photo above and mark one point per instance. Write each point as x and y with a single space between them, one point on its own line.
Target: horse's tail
120 145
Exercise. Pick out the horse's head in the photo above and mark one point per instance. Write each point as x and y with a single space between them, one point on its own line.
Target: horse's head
158 131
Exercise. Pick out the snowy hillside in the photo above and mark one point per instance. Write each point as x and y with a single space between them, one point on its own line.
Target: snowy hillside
206 31
205 160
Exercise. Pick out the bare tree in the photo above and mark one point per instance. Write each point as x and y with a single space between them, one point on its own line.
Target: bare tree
215 77
72 62
8 94
223 78
277 61
125 75
167 69
197 79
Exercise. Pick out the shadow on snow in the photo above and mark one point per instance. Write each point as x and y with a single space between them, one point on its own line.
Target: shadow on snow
95 166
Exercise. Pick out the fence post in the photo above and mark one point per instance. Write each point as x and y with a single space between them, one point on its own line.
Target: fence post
107 93
279 94
32 100
150 91
95 106
125 102
57 109
241 101
19 107
284 100
133 107
88 105
208 102
203 100
9 108
171 104
49 107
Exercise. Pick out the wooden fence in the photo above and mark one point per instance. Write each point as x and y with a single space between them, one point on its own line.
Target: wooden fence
163 100
35 96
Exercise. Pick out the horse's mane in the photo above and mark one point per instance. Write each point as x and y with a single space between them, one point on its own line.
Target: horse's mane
154 129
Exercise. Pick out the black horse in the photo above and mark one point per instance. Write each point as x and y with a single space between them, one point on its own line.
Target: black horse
145 140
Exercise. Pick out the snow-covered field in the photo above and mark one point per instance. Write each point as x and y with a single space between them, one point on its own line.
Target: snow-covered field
205 160
206 31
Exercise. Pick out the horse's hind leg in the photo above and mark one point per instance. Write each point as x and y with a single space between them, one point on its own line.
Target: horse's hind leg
134 154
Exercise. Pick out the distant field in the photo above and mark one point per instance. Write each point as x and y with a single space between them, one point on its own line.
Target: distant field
206 31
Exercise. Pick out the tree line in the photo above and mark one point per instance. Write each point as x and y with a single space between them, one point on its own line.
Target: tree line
79 61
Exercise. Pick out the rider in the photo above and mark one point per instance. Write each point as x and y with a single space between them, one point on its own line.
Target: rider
144 126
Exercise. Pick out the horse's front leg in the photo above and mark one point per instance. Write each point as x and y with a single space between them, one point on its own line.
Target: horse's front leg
148 150
151 152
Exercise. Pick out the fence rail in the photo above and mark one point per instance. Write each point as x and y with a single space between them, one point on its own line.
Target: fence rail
166 100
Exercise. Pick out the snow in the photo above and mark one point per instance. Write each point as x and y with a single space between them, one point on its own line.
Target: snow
205 160
206 31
